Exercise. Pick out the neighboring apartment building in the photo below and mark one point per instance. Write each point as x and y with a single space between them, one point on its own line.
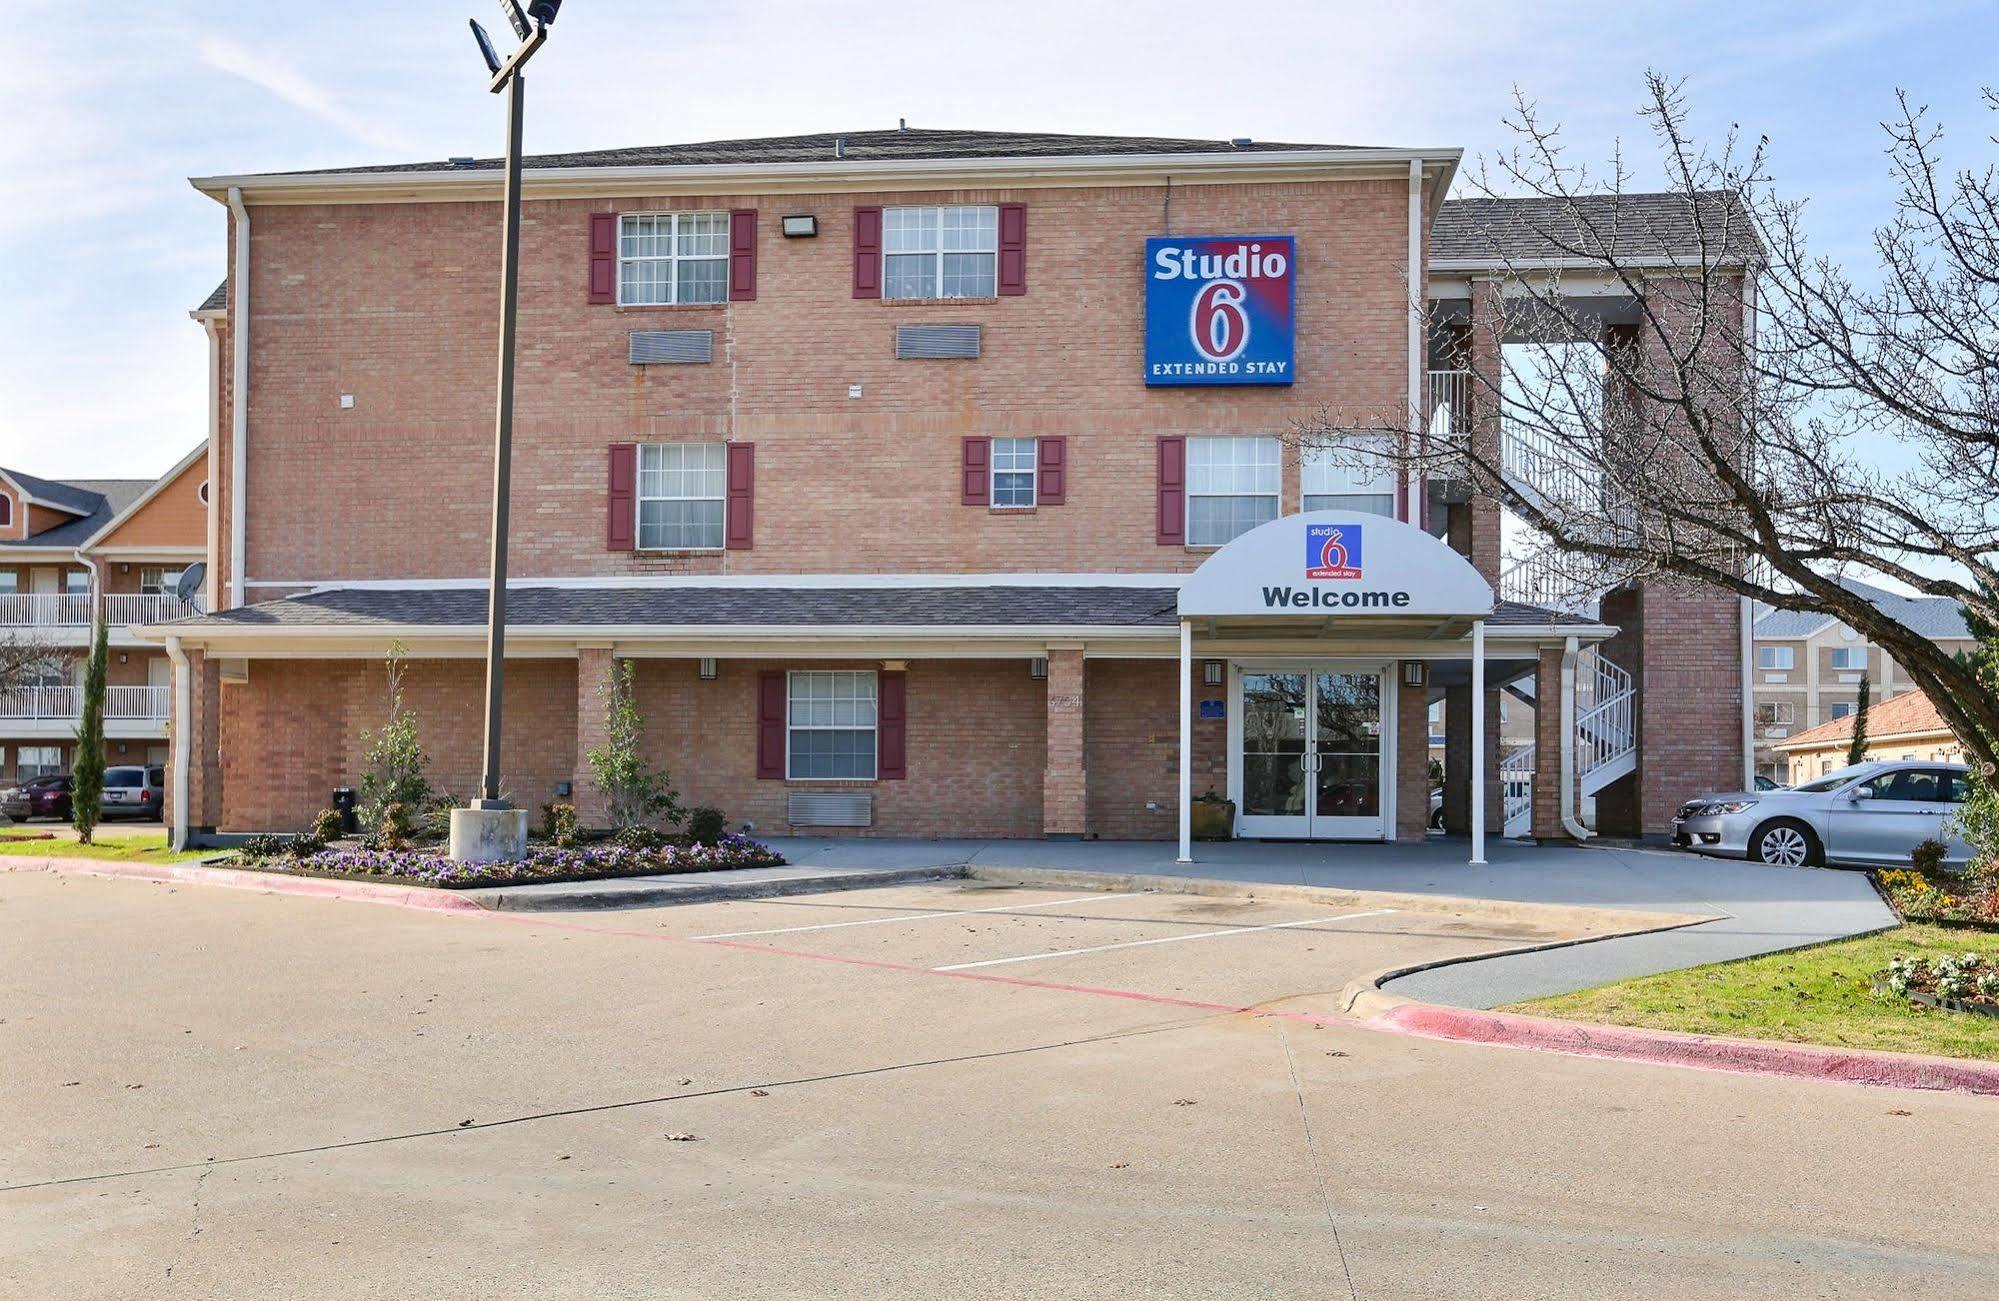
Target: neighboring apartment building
67 548
887 459
1907 727
1809 667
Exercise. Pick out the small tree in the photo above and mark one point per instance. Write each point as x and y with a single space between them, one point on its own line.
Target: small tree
1856 749
398 769
636 795
87 771
1977 819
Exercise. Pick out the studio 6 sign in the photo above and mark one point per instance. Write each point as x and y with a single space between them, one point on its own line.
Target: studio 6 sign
1218 310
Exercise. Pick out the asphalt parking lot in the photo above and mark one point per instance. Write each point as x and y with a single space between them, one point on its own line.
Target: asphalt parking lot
927 1091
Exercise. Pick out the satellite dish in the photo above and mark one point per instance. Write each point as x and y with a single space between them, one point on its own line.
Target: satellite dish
192 579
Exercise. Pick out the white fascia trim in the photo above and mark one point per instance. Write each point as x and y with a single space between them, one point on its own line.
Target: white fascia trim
1467 265
738 178
136 552
29 499
159 486
629 582
653 632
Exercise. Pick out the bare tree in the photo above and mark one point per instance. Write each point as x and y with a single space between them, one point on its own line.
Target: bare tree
1690 395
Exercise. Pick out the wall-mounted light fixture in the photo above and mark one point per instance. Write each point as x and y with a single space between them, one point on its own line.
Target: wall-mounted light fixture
707 667
1211 672
1037 668
123 658
801 225
1415 673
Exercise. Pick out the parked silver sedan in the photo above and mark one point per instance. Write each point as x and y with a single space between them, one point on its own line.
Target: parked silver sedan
1870 815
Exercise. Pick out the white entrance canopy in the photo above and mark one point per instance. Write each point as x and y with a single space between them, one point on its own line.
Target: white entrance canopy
1321 572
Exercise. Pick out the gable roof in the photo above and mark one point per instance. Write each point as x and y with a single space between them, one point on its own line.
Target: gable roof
1936 617
217 300
125 505
93 503
1637 228
1909 714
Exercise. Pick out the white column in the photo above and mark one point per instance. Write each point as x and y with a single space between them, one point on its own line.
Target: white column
1186 741
1478 743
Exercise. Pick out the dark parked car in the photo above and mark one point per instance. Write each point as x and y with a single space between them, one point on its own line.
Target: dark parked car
38 797
133 792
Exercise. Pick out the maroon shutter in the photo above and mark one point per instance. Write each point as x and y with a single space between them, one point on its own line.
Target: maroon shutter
621 498
741 521
1172 492
867 252
892 728
1013 248
743 255
603 257
977 476
770 726
1051 465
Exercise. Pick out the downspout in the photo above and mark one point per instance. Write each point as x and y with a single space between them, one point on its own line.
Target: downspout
239 423
96 585
1746 616
210 588
1565 802
183 738
1418 294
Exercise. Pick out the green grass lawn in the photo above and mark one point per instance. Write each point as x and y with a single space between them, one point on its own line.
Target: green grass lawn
141 842
1821 995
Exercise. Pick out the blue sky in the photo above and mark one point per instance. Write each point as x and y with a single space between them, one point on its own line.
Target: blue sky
111 104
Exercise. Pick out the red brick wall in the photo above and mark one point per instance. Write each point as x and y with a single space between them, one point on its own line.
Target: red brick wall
1131 746
1411 761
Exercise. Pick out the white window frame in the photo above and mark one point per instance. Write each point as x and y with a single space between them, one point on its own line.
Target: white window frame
21 766
158 576
70 584
1033 473
1776 659
1841 709
1849 653
674 258
1262 443
640 496
1779 712
873 729
1337 479
939 252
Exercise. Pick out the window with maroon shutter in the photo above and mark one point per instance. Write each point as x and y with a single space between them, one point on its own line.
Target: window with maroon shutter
770 725
1172 492
621 498
867 252
1013 248
743 255
603 257
977 464
892 728
1051 485
741 522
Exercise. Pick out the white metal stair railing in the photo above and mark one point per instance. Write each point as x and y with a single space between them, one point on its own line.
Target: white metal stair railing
1516 787
1606 741
1450 394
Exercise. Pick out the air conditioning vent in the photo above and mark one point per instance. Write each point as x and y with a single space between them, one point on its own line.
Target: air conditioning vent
830 809
672 347
915 342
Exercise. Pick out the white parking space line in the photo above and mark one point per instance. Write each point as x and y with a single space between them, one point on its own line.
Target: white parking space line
1164 939
918 917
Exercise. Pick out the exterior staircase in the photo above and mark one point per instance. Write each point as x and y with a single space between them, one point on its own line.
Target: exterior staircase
1606 739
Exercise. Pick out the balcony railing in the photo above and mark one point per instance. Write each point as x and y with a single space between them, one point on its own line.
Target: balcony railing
72 609
65 704
1450 394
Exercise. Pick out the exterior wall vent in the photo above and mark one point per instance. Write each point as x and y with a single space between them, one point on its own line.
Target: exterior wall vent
830 809
672 347
936 341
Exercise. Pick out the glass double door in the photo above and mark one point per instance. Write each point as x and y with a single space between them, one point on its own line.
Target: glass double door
1310 752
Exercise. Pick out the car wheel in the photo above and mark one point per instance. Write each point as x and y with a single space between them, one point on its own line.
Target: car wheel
1784 843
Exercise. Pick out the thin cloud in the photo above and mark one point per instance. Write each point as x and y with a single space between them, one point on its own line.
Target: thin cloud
272 74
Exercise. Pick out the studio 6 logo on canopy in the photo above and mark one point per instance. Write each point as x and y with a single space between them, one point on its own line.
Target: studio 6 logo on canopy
1218 309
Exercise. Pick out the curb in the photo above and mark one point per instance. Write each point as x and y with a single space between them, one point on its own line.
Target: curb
530 899
422 898
1700 1052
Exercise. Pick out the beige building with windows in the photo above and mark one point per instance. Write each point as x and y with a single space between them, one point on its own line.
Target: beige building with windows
1907 727
1809 668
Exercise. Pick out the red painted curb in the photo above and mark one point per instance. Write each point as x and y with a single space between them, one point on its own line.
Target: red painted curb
1703 1052
230 878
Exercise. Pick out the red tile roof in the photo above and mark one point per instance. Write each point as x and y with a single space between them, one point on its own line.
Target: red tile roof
1908 714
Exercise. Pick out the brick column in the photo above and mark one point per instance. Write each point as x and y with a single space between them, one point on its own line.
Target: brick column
1064 785
203 729
1457 759
1411 760
1479 531
1547 816
594 666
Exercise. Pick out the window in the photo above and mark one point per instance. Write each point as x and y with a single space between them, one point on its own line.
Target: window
1849 657
1330 485
37 761
10 582
6 510
673 257
940 252
1841 708
155 581
1773 711
1014 468
76 582
830 726
681 491
1232 486
1774 657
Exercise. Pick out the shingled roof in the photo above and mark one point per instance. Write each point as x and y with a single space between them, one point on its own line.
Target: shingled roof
1909 714
911 144
1637 228
92 503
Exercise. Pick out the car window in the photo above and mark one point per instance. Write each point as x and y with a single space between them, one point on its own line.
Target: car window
1911 785
1951 787
156 776
122 777
1830 782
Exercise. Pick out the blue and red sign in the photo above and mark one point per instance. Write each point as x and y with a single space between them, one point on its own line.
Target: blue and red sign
1218 310
1332 551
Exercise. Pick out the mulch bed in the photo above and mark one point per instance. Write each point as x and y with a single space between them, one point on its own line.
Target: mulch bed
544 865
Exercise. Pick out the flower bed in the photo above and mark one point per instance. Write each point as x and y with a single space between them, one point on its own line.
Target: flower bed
1918 896
1962 982
543 864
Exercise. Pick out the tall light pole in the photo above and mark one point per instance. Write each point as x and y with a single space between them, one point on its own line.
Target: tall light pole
483 839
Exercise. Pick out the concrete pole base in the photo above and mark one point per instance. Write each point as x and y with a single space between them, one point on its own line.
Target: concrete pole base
489 835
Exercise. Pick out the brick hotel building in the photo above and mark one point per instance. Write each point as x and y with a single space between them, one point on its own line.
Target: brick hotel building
881 459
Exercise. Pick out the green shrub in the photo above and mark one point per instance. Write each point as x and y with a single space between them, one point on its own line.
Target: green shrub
558 825
302 845
1928 856
326 827
638 837
706 825
636 794
265 846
